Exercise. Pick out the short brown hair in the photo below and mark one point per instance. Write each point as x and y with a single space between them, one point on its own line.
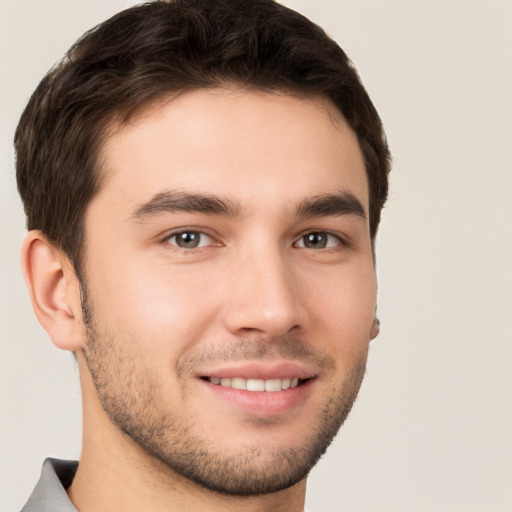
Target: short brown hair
158 48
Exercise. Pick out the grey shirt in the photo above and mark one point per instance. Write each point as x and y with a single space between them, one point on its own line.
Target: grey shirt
50 492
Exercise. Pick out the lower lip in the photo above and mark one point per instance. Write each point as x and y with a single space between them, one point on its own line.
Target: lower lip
262 403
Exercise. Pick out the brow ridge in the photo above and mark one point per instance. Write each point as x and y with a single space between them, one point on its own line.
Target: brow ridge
174 201
342 203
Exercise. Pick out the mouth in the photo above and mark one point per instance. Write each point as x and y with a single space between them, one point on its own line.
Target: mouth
257 385
262 389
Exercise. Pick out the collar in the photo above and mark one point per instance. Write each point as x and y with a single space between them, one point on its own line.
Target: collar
50 494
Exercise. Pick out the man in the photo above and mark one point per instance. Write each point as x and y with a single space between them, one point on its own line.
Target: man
203 182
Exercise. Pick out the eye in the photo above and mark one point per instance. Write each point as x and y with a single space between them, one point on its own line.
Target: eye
319 240
189 239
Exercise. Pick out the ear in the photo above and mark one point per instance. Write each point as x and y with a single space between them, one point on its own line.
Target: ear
54 290
375 329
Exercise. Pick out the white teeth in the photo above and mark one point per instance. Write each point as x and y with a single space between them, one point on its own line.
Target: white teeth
255 385
238 383
273 385
269 385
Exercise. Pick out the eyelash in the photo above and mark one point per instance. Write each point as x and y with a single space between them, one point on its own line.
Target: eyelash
176 234
340 243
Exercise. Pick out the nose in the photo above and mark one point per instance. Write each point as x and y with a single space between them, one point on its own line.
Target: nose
262 296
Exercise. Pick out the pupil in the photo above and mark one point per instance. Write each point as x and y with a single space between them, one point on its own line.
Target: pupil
315 240
188 240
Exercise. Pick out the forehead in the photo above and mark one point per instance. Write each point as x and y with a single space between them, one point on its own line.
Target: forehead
237 143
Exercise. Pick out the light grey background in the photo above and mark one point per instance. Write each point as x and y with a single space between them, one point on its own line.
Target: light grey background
432 428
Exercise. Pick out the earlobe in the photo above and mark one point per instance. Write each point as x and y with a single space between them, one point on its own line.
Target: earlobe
53 289
375 329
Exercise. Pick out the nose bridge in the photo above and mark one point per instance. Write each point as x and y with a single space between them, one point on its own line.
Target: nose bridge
261 293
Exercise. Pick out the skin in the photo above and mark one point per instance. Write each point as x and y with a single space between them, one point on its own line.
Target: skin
253 297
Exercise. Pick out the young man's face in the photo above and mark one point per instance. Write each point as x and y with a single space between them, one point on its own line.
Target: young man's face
230 285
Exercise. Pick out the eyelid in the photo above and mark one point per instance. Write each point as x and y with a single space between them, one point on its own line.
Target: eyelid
342 242
200 231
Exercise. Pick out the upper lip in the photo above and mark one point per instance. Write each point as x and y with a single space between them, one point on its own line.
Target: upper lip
264 370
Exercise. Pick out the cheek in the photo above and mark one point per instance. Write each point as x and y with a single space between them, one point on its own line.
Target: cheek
343 309
153 306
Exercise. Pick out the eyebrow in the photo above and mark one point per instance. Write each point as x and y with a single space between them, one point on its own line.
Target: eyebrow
343 203
172 202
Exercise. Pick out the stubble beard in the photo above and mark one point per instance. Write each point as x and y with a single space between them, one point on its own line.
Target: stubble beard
129 396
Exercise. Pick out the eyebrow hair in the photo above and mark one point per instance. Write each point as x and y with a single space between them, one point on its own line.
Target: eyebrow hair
344 203
170 202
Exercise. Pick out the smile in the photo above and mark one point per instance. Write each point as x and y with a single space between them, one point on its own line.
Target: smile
269 385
